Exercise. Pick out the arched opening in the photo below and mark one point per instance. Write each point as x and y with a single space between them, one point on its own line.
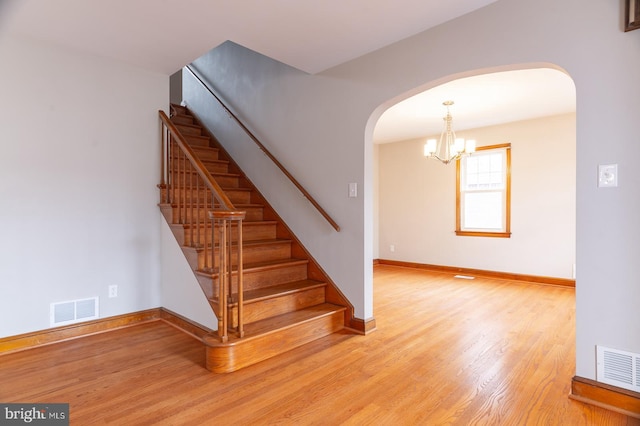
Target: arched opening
533 109
479 340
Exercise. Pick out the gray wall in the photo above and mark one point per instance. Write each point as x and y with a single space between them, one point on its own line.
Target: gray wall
321 126
271 98
175 87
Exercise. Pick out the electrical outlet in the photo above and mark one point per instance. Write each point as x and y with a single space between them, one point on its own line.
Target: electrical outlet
392 248
607 175
113 291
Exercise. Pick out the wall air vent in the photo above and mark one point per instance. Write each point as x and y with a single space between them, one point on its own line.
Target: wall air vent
73 311
464 277
618 368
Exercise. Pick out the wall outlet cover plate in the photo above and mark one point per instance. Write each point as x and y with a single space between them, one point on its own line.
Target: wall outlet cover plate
607 175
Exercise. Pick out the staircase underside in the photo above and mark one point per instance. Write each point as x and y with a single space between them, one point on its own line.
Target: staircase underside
288 299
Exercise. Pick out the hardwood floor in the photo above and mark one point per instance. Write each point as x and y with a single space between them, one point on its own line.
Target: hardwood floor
447 351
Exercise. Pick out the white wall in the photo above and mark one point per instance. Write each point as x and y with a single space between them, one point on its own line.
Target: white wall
375 184
78 173
418 199
181 292
322 125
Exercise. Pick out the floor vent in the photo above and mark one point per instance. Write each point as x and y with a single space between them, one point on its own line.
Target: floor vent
464 277
73 311
618 368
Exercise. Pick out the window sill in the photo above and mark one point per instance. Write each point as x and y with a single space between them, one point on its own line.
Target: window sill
483 234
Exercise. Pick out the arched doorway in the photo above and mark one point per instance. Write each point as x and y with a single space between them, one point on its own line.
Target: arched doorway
415 199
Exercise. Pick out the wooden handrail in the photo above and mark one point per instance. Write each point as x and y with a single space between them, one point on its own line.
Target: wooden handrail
198 165
178 162
267 153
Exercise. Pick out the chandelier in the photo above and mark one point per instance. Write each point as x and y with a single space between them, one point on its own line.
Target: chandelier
448 148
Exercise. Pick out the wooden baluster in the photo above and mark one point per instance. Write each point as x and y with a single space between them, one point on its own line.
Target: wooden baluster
222 268
179 175
189 217
172 182
163 186
183 217
169 169
167 163
213 234
178 161
198 179
207 256
240 282
178 180
229 250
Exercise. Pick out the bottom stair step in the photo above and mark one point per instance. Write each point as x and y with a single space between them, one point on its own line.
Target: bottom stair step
268 302
273 336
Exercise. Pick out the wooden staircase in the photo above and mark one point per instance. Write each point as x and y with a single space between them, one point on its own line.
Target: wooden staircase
287 299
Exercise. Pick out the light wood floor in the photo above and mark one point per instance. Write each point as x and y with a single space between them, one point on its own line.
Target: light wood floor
447 351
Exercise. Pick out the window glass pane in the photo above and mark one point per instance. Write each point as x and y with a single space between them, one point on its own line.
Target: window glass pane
496 179
483 171
484 179
496 162
471 164
472 181
482 210
484 164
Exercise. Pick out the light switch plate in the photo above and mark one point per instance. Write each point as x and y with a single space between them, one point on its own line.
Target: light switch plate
353 190
607 175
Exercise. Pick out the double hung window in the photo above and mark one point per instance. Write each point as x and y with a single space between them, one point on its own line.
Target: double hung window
483 196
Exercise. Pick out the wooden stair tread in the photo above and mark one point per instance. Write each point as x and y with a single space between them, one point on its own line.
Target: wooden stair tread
260 294
261 266
249 243
290 319
214 174
201 149
180 108
204 148
272 264
193 126
238 206
241 206
197 137
244 223
207 160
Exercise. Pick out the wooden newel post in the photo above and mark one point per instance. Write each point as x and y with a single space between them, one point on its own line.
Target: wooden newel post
225 221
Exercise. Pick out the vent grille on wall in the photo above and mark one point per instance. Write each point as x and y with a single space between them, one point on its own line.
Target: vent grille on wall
618 368
73 311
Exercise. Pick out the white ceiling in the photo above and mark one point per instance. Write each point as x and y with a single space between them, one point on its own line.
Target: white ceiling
480 101
164 35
